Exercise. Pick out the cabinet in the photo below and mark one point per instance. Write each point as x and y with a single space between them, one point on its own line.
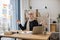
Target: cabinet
53 27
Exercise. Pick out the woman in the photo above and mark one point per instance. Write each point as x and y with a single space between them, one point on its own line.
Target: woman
30 23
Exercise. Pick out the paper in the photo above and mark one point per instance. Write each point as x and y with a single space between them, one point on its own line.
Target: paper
26 32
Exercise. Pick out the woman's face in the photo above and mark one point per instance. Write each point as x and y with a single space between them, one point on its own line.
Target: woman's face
31 15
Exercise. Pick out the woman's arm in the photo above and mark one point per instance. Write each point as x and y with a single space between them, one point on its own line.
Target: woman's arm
19 24
37 24
23 27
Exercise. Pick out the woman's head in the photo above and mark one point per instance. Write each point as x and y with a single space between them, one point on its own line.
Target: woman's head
30 14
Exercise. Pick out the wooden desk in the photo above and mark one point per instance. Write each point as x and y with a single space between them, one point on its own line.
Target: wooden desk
28 36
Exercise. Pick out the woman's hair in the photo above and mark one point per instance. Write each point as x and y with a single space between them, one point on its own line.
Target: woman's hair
31 12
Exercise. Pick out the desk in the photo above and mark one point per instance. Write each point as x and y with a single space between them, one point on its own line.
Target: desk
28 36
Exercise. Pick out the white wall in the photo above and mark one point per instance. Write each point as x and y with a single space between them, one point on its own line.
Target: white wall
59 5
24 6
52 5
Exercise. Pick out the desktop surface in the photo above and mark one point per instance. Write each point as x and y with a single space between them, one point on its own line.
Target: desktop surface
29 36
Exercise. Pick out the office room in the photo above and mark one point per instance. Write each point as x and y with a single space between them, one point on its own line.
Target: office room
29 19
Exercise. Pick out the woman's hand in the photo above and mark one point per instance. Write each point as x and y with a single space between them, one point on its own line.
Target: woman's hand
18 21
43 22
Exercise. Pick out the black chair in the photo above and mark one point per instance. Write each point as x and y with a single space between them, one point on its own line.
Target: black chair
54 36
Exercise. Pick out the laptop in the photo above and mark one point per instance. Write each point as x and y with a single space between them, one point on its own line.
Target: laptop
38 30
